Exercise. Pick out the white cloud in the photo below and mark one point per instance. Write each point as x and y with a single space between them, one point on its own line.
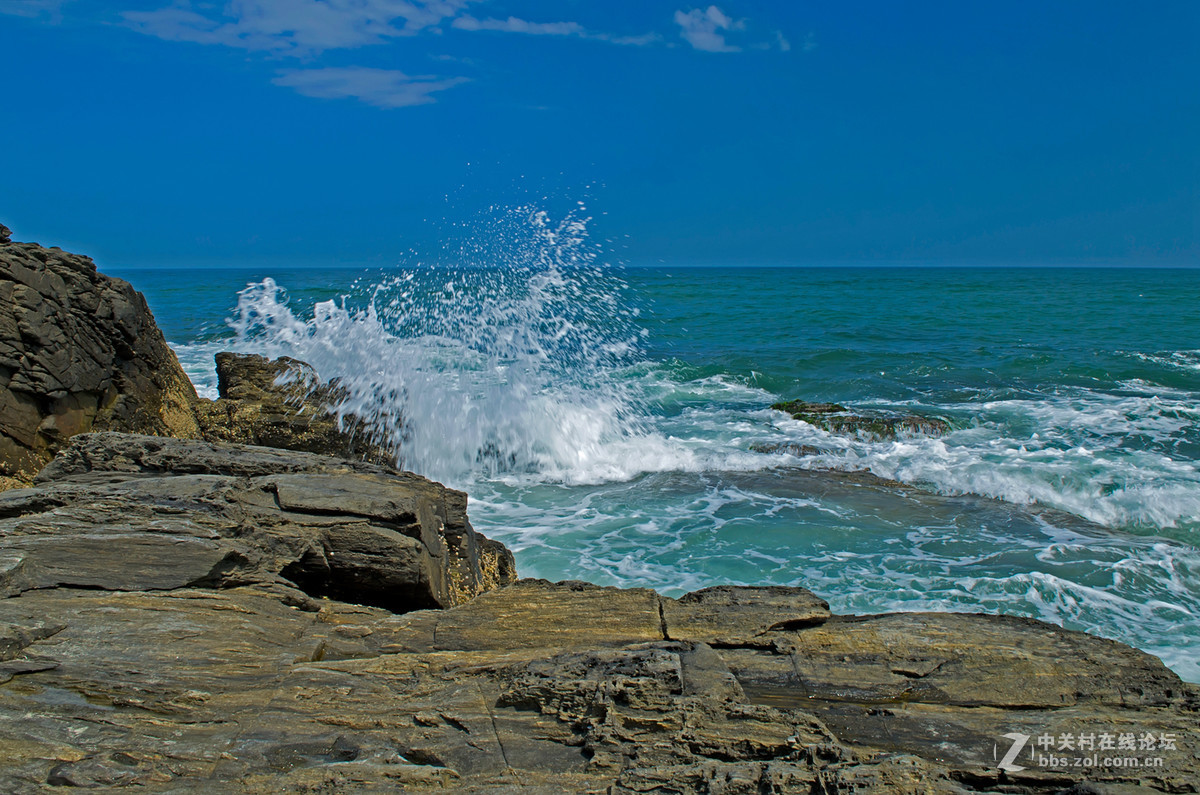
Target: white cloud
306 28
517 25
294 26
702 29
383 88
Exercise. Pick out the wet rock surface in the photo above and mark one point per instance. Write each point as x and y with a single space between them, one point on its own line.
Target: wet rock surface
282 403
79 351
839 419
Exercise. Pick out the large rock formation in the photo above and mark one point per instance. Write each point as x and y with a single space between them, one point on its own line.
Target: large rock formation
79 351
282 403
568 687
121 512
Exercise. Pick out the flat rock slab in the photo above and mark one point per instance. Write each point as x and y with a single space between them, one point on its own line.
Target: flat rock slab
726 615
120 561
536 614
541 687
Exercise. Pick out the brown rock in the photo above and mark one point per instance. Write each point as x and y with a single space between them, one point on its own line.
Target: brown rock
550 688
283 403
730 615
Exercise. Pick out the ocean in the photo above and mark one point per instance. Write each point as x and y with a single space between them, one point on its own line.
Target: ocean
609 423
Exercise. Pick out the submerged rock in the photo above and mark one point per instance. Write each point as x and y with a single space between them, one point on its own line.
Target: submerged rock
282 403
836 418
79 351
791 448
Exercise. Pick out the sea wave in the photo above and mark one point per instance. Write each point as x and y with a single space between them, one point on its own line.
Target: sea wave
520 372
537 374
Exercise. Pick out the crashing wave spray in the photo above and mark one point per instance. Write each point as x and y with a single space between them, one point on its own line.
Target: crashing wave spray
501 355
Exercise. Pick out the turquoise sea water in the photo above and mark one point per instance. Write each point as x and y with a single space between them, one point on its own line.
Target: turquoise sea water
604 421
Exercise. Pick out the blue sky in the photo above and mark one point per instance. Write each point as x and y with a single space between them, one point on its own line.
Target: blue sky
310 132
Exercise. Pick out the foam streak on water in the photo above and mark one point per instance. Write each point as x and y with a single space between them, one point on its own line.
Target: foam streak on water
515 366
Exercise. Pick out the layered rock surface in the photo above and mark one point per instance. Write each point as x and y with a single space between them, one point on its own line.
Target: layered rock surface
79 351
122 512
552 688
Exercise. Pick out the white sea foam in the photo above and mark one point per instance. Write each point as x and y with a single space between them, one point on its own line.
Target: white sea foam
196 358
1182 360
1116 459
533 373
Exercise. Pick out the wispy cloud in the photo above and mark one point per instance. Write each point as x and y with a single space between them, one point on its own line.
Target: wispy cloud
518 25
51 9
515 25
307 28
703 29
383 88
294 26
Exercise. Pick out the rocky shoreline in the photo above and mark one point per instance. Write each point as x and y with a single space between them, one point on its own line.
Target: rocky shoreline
180 612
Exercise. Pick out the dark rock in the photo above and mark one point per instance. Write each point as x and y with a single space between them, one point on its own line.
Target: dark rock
283 403
791 448
836 418
79 351
5 234
123 512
